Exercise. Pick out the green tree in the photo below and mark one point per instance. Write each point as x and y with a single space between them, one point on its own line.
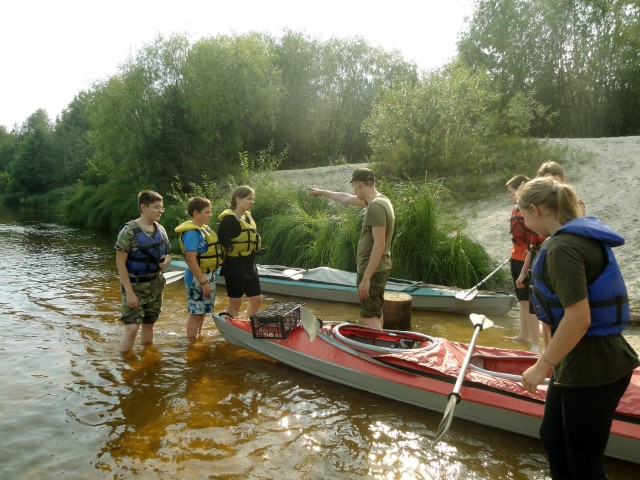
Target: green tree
72 138
354 74
577 57
34 161
232 93
138 116
7 148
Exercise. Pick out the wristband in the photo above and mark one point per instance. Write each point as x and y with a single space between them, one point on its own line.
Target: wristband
544 357
205 282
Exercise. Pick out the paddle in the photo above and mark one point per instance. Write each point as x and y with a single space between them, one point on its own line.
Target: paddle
471 293
309 322
479 322
171 277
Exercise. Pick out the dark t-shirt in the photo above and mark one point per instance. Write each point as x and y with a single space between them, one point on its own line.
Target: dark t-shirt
235 267
573 262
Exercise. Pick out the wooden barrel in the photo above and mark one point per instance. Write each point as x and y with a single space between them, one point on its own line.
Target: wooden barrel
396 311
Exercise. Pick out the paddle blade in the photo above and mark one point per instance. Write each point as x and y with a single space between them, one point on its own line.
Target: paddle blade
171 277
309 322
445 423
467 295
481 320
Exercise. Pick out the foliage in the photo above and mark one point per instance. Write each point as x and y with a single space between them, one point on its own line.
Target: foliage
307 232
73 144
447 125
104 207
581 59
34 160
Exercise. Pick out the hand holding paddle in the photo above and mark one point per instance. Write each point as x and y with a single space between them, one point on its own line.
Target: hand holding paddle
471 293
479 322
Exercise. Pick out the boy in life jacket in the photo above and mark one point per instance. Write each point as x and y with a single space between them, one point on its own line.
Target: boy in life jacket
203 254
142 251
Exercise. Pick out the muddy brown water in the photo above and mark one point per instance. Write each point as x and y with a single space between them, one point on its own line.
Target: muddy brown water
71 407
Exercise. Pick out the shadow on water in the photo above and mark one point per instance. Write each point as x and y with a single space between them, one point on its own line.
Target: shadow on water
72 407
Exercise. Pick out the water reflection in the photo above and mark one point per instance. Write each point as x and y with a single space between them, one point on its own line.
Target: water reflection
75 408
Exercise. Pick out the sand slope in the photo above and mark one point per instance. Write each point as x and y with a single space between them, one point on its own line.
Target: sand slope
608 183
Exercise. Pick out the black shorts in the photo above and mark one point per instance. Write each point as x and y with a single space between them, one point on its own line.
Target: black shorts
516 268
236 287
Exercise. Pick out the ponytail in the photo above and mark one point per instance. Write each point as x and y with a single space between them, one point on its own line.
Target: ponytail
558 198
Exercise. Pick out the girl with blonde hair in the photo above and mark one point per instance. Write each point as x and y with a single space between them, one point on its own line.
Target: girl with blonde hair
578 290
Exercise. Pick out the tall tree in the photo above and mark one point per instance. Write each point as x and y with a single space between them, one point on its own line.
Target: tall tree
137 115
232 92
572 55
72 139
34 161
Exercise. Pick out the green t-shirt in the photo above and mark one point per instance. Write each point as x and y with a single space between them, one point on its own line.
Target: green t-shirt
379 213
573 262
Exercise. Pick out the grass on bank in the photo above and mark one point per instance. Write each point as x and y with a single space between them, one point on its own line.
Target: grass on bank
430 243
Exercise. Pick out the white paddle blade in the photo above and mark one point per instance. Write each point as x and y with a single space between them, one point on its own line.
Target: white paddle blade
467 295
481 320
171 277
309 322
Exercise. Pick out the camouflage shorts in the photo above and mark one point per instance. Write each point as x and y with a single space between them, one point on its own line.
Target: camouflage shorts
150 296
372 306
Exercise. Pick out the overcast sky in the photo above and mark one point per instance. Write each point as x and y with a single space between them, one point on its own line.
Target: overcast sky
53 49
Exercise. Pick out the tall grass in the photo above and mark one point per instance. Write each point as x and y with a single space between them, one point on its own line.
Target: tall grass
303 231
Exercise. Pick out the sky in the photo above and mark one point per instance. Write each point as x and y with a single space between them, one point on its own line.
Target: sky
52 50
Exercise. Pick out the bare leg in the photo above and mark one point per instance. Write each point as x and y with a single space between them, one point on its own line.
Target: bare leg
234 306
523 336
373 322
534 332
253 305
128 337
146 334
194 325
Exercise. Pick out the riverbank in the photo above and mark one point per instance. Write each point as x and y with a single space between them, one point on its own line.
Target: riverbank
607 183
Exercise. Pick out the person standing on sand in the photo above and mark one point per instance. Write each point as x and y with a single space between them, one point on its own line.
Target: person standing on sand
374 246
521 239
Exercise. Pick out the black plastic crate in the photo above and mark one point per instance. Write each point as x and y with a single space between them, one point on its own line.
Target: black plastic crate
276 321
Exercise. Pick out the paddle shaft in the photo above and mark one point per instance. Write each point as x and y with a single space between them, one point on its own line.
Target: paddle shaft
471 293
467 359
454 396
492 273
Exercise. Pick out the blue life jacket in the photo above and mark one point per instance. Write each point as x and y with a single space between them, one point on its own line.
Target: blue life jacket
608 299
145 259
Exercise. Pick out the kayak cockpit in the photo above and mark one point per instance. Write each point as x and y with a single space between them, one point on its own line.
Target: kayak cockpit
382 341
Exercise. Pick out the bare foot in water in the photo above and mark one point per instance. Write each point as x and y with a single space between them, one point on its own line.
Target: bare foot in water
517 338
535 349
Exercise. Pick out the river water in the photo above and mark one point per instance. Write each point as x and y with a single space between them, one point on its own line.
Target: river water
72 407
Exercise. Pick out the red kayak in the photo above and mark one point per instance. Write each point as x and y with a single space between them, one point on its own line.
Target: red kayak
420 370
